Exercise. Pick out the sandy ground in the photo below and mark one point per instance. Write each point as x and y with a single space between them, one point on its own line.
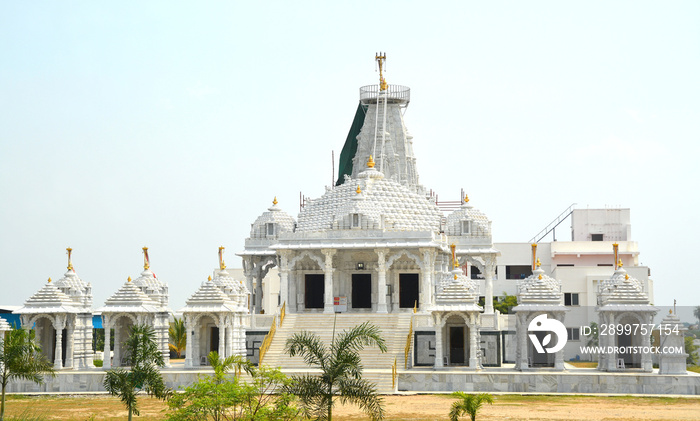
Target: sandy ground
412 407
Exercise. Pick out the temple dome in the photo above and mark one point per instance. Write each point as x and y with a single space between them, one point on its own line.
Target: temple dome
622 289
280 220
378 203
478 225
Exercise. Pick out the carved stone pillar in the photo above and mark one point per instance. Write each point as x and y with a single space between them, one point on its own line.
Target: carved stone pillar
438 341
473 343
58 351
489 274
522 341
328 281
284 278
189 329
646 343
381 280
559 355
222 336
70 344
107 358
427 286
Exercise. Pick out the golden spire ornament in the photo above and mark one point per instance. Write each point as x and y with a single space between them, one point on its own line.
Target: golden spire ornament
222 265
128 279
534 255
381 58
49 280
615 247
370 162
146 261
358 190
274 202
70 263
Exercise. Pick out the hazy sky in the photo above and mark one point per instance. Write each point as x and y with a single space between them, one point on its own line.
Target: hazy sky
173 125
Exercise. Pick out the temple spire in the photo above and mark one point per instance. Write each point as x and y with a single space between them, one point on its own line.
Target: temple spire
381 58
534 256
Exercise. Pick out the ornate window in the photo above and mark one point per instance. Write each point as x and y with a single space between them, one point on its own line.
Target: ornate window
355 220
466 227
270 228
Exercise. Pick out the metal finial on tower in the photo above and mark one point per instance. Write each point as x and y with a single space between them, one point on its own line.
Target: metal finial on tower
70 263
538 264
615 246
274 202
146 261
222 265
49 280
370 162
358 190
128 279
381 59
466 198
534 256
619 263
455 263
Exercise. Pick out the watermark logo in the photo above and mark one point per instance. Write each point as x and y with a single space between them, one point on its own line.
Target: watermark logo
542 324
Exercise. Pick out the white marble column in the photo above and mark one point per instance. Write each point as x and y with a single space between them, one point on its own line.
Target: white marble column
473 344
522 341
58 350
381 280
107 358
188 341
426 290
328 281
284 279
489 273
646 342
222 337
438 342
69 345
559 355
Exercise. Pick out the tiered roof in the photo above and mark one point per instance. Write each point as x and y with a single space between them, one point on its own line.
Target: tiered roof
622 292
49 299
131 299
457 292
539 292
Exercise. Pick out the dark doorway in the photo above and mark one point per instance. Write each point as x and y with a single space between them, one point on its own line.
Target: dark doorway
408 290
361 290
542 359
313 290
456 345
625 341
214 339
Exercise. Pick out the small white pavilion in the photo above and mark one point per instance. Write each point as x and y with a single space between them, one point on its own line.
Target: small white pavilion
216 317
672 338
622 301
143 301
456 316
61 314
539 299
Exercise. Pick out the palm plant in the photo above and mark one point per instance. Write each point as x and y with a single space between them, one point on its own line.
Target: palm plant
222 366
21 358
468 405
178 336
341 372
145 359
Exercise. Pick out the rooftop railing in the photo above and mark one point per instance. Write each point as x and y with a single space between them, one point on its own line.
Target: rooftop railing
394 94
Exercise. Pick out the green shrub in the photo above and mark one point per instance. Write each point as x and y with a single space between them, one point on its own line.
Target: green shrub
98 363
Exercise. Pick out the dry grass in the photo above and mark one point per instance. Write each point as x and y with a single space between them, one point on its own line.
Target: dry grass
413 407
583 364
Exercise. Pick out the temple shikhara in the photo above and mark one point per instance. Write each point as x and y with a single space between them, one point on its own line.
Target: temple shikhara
378 246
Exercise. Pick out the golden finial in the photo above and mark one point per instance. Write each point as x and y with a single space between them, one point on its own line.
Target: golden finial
128 279
615 246
453 247
209 278
455 277
619 263
466 198
670 311
370 162
534 255
70 263
274 202
222 265
538 264
146 261
359 190
540 277
381 58
49 280
627 275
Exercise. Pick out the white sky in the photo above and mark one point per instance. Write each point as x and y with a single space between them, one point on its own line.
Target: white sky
174 124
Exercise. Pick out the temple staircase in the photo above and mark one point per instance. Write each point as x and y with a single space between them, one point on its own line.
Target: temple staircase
377 366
